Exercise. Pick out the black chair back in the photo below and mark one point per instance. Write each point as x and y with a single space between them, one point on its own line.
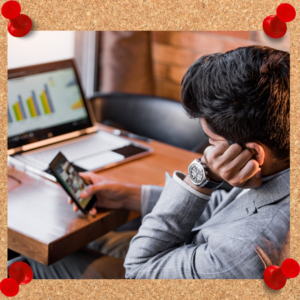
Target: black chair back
157 118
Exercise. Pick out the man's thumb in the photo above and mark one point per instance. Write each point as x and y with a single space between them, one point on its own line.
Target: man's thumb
90 190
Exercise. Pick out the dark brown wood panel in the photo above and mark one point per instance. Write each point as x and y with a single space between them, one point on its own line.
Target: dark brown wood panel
27 246
79 238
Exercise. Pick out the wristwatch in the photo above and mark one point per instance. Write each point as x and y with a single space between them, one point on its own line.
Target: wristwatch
197 174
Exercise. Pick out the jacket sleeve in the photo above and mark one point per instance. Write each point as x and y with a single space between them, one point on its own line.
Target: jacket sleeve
158 250
165 229
149 197
151 193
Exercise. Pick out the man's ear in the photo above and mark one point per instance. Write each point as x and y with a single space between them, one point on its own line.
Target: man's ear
260 152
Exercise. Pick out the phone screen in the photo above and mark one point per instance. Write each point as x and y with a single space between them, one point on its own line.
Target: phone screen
72 181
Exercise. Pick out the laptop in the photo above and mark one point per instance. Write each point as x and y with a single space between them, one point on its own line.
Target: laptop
47 113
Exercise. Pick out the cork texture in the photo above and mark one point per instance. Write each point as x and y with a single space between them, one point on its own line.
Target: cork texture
172 15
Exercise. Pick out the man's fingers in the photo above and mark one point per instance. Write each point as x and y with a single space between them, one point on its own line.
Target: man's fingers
247 172
93 211
221 148
75 208
253 182
91 178
91 190
87 192
232 152
241 160
250 169
212 153
87 177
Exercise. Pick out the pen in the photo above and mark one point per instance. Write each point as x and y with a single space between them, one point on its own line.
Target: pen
131 135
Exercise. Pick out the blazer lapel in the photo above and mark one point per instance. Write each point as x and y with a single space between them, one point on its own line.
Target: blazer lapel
233 209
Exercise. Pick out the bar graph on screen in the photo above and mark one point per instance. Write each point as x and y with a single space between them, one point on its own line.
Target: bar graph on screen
43 100
46 101
33 107
9 118
19 110
78 104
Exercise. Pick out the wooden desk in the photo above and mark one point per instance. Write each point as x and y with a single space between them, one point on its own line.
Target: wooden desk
43 226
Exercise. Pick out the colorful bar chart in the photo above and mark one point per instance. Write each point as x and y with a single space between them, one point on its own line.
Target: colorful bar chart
46 101
19 110
10 120
31 107
22 107
35 103
78 104
49 98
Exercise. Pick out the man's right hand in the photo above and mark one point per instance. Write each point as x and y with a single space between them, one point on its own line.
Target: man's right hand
110 194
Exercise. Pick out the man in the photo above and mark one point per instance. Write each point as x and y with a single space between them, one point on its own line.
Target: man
192 228
241 96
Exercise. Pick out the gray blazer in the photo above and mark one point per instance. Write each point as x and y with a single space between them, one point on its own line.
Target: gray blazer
185 236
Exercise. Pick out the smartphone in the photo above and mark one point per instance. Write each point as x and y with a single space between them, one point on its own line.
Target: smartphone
71 182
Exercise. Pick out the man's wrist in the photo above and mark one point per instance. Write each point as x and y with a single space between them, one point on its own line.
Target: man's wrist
205 191
212 176
132 200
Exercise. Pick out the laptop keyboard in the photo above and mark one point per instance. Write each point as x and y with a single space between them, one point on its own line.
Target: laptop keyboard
73 150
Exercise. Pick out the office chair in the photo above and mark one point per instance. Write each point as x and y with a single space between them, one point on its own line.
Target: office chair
160 119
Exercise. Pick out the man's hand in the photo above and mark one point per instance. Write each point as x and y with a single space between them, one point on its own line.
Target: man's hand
232 164
110 194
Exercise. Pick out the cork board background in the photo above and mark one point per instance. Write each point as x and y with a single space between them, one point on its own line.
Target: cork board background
175 15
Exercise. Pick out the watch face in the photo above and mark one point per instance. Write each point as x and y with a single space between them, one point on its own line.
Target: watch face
196 174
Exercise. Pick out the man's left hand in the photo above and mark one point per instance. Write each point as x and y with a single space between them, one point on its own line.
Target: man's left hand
233 164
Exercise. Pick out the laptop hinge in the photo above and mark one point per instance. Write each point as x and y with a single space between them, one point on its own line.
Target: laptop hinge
52 141
14 151
90 129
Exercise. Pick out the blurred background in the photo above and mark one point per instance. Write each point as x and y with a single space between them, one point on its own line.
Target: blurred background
132 62
144 68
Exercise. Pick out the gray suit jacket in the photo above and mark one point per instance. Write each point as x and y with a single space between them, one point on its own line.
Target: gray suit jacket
184 236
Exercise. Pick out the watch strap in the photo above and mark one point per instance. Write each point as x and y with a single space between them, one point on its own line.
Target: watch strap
209 184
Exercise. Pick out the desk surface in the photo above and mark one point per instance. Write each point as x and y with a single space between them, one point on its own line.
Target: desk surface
43 226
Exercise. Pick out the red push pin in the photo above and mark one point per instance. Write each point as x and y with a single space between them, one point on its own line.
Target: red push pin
275 277
18 24
275 26
21 272
9 287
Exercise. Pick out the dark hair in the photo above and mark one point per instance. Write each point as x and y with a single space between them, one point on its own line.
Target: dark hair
243 95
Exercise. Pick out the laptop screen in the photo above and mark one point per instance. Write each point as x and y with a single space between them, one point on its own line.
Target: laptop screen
44 105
